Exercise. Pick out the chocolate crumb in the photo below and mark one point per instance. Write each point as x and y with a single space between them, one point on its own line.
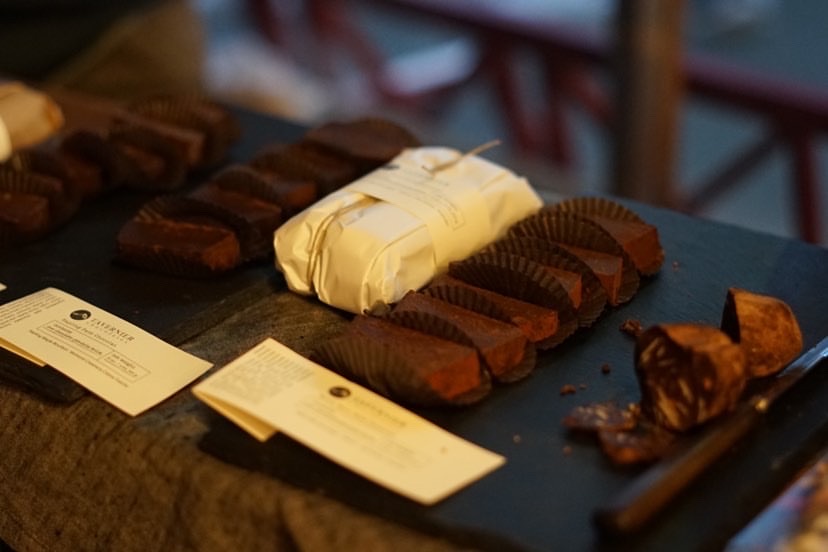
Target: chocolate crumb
582 386
632 327
606 368
675 265
568 389
516 438
567 450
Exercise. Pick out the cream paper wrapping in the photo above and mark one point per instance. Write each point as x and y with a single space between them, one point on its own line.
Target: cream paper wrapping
394 229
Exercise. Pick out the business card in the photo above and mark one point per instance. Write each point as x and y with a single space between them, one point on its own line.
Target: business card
118 361
271 388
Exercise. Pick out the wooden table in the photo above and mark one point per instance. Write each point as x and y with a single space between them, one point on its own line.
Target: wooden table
83 476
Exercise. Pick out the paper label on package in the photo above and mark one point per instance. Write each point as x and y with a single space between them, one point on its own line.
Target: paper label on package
454 212
121 363
272 388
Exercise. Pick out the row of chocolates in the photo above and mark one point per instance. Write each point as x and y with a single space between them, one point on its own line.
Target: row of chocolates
483 320
151 145
229 220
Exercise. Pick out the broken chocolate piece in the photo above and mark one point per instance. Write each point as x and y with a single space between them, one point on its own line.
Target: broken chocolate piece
644 444
607 416
631 327
766 329
688 374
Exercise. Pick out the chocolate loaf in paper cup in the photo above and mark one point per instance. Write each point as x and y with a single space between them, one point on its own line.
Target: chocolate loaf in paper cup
47 163
157 164
504 350
292 195
94 148
369 142
41 195
192 209
640 239
304 160
523 279
594 296
537 323
568 228
383 365
178 248
216 124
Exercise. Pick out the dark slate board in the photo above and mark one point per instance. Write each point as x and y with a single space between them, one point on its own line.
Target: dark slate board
544 498
78 258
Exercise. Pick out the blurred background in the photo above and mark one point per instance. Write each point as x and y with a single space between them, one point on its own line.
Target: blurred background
369 57
718 108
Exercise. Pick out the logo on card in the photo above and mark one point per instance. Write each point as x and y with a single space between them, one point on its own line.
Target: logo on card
339 392
80 314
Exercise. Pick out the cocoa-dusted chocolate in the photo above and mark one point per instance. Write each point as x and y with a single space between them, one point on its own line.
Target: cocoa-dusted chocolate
306 161
609 269
580 234
505 351
45 163
157 163
766 329
179 248
638 239
30 204
205 126
291 194
23 217
523 279
587 293
93 148
370 141
688 374
404 364
537 323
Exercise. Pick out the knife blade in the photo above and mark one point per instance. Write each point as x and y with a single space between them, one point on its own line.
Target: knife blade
634 507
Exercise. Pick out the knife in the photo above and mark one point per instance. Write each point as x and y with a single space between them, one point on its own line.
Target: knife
656 487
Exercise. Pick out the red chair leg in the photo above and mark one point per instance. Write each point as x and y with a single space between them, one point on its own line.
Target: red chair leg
805 179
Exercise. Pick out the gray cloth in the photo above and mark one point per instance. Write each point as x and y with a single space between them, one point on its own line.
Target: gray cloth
37 36
87 477
122 50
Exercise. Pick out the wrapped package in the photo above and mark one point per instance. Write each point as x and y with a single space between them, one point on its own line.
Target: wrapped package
27 117
394 229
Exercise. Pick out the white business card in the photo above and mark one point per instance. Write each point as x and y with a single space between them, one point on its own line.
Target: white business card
272 388
118 361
